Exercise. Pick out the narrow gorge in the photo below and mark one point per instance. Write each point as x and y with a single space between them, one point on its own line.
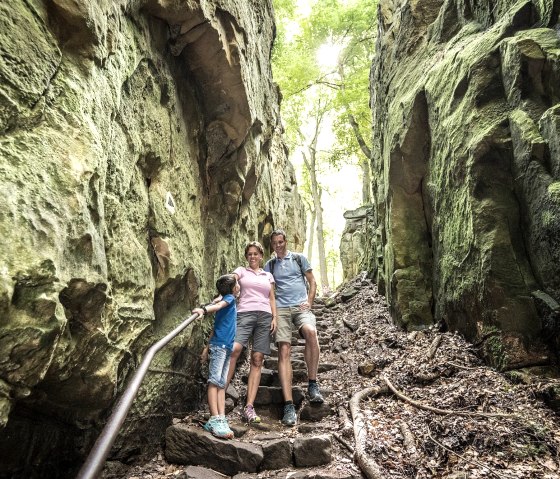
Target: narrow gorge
141 147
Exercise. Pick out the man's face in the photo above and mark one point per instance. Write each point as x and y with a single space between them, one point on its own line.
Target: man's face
279 244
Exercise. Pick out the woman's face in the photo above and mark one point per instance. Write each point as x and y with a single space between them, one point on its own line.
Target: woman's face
254 257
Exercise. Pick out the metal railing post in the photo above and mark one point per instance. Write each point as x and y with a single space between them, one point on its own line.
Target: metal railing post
96 458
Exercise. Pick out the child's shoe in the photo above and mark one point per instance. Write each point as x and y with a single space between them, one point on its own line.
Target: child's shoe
227 432
218 427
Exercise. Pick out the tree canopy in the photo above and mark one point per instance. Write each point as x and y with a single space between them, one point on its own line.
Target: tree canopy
321 61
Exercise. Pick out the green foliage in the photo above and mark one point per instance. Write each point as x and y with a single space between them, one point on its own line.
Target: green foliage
348 25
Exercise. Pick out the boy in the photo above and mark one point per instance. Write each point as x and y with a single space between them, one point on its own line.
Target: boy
220 347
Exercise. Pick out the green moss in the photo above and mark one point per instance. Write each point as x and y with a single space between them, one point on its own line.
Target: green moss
494 347
547 218
554 190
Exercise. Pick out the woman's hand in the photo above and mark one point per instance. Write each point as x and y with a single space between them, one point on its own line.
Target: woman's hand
273 325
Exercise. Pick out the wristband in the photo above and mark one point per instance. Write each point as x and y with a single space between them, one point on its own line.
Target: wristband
203 307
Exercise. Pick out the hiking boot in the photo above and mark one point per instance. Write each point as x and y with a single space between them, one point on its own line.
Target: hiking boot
218 426
290 416
315 395
250 415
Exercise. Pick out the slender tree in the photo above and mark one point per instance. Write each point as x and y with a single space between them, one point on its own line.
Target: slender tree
313 93
310 155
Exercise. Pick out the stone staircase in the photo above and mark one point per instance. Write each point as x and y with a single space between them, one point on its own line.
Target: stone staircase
267 449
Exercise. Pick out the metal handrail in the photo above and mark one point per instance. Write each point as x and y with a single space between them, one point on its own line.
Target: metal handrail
102 446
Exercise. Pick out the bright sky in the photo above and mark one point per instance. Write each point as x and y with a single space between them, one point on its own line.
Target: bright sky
342 192
342 187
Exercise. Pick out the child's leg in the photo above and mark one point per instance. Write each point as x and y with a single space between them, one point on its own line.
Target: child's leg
221 401
213 400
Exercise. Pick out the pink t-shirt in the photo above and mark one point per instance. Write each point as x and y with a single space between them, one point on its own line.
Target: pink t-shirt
255 290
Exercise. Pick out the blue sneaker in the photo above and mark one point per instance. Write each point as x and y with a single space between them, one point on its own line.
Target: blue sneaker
218 427
290 416
225 427
315 395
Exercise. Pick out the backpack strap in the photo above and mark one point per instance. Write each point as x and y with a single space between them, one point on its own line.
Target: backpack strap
297 257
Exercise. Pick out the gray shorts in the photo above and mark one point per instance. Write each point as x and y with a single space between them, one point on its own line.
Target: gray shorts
256 324
292 316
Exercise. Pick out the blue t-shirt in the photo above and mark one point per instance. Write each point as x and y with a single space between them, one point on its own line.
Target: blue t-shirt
225 324
290 283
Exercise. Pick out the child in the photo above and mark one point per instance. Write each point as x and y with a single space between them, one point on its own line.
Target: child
220 346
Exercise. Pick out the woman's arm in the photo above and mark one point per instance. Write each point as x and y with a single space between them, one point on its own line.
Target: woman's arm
272 300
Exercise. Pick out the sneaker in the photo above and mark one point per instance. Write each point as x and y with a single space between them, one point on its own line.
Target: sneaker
250 415
226 428
315 395
218 427
290 416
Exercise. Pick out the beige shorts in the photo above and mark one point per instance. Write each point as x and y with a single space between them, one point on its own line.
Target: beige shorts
292 316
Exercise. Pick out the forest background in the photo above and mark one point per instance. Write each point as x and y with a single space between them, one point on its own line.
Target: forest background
321 61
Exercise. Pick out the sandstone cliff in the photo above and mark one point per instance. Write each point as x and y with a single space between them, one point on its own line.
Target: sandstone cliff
466 100
140 149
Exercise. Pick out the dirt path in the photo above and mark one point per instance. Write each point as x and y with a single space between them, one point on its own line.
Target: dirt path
456 418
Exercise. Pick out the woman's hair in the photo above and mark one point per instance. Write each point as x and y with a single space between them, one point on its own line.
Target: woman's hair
257 245
225 284
278 232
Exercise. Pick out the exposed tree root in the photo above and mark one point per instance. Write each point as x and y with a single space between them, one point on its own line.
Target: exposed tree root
434 346
446 412
369 467
344 442
408 438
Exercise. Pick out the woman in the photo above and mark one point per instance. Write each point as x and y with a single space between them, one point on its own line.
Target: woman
256 317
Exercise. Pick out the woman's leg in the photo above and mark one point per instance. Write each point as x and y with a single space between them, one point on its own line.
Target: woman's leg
237 348
254 376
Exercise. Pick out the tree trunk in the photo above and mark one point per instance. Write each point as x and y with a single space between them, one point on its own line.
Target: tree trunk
364 162
311 233
316 195
366 181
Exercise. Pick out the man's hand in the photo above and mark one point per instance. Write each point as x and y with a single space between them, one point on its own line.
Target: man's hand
305 306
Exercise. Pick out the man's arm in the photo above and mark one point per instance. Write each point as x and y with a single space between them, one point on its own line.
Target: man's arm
312 287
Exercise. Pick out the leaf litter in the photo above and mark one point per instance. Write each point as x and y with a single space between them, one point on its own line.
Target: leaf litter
486 425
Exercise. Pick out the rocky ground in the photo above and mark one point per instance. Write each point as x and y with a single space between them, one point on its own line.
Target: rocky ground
430 409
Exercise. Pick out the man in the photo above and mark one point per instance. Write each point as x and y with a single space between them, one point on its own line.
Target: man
293 306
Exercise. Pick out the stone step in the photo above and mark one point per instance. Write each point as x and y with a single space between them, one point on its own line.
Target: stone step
191 444
267 395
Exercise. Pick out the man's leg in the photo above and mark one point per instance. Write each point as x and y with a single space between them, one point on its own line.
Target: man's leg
285 369
306 323
284 341
312 351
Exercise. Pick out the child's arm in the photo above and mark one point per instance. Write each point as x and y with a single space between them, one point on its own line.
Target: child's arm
205 309
210 308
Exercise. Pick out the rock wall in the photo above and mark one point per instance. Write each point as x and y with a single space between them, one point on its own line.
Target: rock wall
466 109
357 234
140 150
